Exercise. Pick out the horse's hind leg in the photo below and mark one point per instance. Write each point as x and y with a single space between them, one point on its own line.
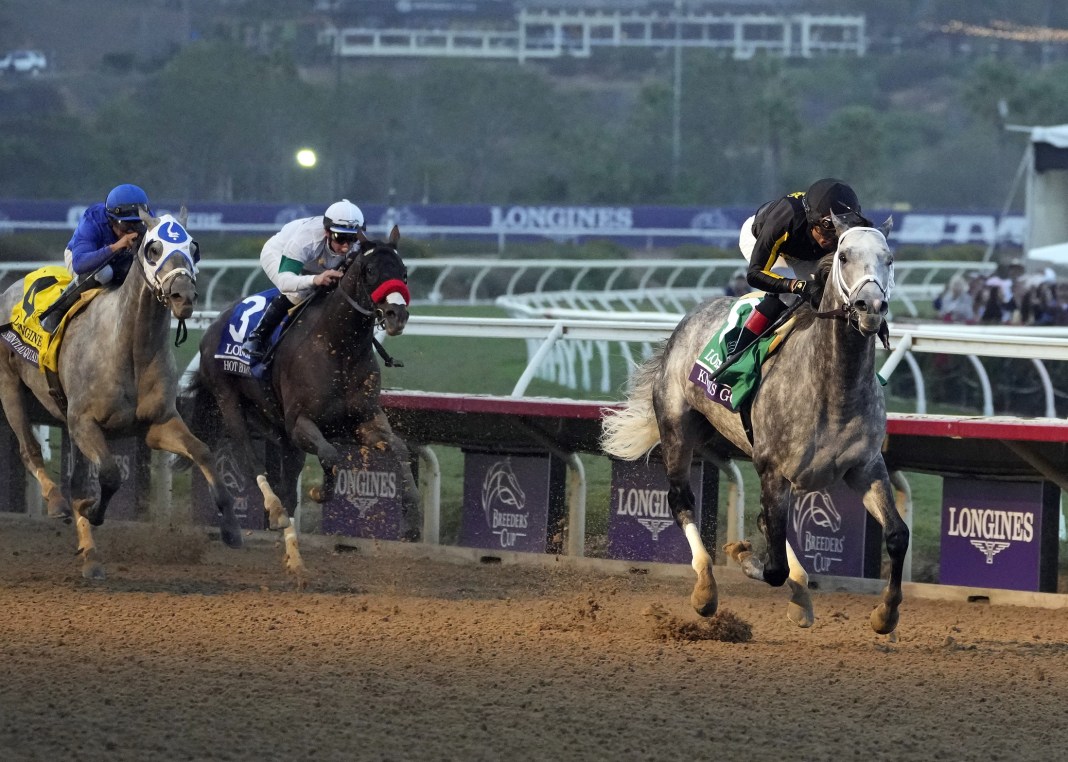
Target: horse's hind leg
174 436
873 483
678 435
13 399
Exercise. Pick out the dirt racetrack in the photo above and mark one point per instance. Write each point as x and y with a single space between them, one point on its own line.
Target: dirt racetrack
192 651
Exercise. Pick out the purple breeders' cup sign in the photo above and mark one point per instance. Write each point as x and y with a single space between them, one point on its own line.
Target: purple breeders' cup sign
506 502
248 500
830 533
124 504
640 525
993 532
367 500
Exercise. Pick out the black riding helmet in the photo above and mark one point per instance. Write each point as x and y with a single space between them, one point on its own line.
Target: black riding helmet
830 195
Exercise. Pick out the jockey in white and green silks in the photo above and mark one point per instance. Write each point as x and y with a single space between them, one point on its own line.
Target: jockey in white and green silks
327 239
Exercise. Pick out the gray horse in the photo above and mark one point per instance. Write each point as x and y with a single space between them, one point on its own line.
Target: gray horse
817 418
118 377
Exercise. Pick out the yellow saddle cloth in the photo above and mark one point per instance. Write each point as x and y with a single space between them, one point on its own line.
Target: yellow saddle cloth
40 289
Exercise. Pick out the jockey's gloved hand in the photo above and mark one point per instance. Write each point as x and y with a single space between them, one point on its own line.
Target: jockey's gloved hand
806 290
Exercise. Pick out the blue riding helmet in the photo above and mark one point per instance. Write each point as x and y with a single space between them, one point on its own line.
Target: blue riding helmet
124 203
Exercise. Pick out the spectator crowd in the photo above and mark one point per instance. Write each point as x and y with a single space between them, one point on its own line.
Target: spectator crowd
1009 296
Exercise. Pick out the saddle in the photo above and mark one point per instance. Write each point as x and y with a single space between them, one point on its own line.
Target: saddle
736 383
243 320
23 331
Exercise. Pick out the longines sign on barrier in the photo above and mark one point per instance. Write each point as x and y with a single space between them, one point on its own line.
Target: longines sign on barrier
367 499
640 524
999 534
131 456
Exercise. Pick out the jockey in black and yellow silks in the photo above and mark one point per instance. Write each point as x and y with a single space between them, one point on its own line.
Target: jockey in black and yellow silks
798 230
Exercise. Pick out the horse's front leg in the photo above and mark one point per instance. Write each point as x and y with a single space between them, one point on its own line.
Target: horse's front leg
172 435
88 445
873 483
775 495
676 446
379 434
84 499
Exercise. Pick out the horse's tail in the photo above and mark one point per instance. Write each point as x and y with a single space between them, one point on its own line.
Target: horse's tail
631 432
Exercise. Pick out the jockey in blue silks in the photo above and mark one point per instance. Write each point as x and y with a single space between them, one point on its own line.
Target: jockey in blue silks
102 247
798 229
327 240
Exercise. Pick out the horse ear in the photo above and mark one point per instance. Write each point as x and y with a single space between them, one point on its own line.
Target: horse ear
183 216
887 226
840 225
148 219
361 237
394 235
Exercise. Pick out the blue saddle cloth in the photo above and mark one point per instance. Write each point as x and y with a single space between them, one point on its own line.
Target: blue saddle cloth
243 320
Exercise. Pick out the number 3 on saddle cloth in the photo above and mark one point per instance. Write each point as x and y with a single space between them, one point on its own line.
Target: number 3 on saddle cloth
23 332
243 320
737 382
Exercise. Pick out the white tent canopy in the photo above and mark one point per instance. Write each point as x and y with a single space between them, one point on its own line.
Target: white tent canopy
1047 194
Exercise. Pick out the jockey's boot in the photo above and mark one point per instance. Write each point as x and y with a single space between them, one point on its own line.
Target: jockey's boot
259 341
53 315
763 315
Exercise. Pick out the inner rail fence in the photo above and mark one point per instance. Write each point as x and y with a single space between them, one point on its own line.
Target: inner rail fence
623 284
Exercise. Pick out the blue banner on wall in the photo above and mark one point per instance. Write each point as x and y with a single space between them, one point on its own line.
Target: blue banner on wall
638 226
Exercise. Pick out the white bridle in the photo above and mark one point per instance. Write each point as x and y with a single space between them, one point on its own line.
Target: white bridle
849 292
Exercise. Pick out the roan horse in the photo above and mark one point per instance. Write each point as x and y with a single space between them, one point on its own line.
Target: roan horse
322 384
118 377
818 417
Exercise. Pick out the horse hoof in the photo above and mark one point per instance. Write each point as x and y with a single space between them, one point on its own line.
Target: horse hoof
95 516
92 570
883 619
799 609
59 508
705 596
737 548
231 535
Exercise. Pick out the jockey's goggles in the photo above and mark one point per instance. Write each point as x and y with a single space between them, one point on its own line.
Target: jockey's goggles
344 238
126 213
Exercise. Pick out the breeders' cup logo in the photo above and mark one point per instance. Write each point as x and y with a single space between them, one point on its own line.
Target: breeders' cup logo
504 504
231 477
991 531
815 522
649 507
715 226
363 489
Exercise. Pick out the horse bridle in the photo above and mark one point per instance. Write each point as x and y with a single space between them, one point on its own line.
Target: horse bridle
392 290
847 292
158 285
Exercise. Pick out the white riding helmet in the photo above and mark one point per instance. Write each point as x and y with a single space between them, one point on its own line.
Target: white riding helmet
343 217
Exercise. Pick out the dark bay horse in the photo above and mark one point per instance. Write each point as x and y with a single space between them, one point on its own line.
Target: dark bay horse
118 377
322 384
818 417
